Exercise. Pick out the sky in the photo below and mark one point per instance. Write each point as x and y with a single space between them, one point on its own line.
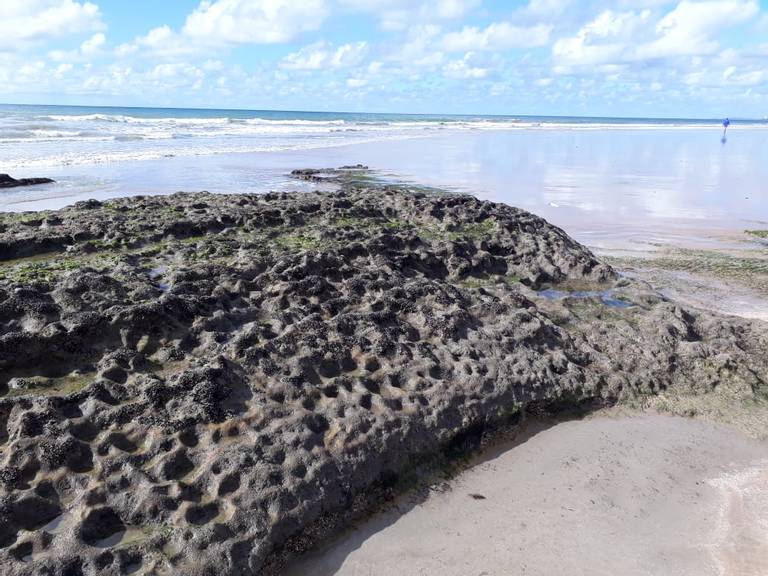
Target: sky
651 58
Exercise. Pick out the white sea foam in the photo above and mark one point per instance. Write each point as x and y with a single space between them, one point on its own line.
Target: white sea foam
136 154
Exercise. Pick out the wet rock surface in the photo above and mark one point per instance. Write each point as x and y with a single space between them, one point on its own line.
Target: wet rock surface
7 182
201 384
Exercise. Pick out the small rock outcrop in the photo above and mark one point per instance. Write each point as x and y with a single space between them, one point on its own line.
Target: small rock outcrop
200 384
7 182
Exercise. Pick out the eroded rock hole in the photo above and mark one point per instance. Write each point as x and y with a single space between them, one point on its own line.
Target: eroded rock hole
308 404
177 466
133 566
22 552
202 514
230 483
329 368
371 385
317 423
80 458
189 437
85 431
372 364
102 528
121 441
33 512
330 391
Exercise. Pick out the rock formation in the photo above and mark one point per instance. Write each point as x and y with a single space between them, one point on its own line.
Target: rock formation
200 384
7 182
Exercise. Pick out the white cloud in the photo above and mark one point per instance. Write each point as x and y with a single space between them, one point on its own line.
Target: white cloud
690 27
93 45
464 69
91 48
607 38
417 51
321 55
546 7
402 14
220 23
161 41
27 21
253 21
497 36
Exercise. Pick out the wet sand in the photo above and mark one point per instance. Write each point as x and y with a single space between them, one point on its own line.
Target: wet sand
707 293
638 495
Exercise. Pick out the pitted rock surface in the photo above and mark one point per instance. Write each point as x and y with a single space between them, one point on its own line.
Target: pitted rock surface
189 382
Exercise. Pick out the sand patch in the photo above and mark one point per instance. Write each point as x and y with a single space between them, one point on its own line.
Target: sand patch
606 495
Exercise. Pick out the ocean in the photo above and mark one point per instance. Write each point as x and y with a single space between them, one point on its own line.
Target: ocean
46 136
607 181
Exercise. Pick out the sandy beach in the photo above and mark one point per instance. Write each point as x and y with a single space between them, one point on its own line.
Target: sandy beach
633 495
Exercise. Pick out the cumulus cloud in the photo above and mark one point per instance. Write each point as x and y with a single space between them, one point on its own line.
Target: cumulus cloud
418 48
607 38
88 49
321 55
93 45
254 21
497 36
27 21
162 41
464 69
221 23
689 29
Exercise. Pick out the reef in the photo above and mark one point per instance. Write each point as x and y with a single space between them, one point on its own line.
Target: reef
206 384
7 182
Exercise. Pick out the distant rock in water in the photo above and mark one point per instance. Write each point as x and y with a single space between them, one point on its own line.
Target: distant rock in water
7 182
204 384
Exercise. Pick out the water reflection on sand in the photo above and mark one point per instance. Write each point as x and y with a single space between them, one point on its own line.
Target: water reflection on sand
608 188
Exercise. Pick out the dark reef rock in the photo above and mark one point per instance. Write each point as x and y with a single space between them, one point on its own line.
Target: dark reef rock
197 384
7 182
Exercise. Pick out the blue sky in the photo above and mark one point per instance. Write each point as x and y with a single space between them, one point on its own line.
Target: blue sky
686 58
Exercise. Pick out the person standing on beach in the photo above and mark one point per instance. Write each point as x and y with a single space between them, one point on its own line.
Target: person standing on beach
726 123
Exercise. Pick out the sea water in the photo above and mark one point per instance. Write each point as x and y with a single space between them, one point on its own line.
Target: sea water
599 178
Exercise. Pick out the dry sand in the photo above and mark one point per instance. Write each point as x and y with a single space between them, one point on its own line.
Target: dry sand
614 495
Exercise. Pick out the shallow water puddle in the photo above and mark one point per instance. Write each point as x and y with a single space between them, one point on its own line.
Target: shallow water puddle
156 273
122 538
55 525
606 296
